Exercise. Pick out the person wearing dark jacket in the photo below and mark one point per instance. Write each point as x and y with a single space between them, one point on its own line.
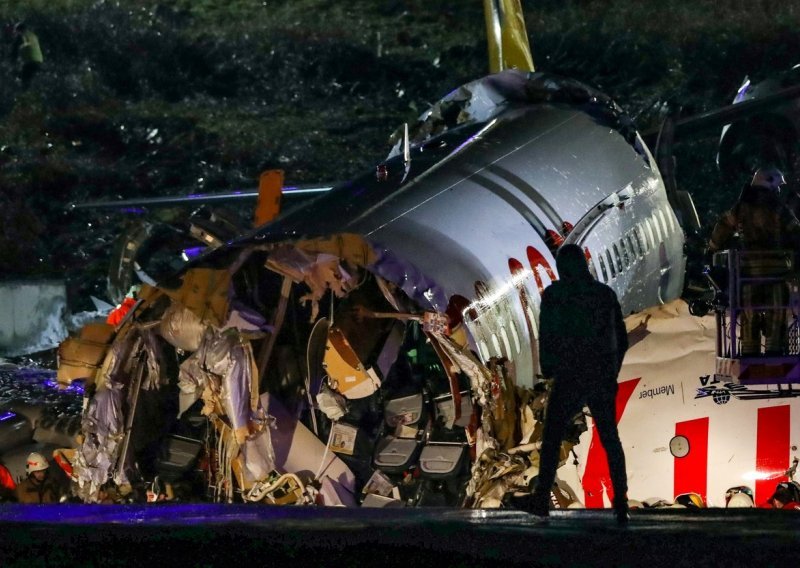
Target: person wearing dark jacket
769 235
582 341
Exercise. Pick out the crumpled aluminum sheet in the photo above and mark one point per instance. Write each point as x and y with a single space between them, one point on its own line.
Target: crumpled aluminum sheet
103 427
227 358
154 359
181 327
320 272
221 371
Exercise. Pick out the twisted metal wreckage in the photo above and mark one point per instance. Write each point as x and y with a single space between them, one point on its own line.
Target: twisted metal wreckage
233 376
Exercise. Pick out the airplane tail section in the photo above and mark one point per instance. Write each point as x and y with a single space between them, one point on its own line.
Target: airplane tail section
506 36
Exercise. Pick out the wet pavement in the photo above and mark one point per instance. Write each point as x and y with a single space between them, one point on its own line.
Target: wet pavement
204 534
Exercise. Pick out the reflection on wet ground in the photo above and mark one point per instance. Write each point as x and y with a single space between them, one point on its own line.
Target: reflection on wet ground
207 534
38 387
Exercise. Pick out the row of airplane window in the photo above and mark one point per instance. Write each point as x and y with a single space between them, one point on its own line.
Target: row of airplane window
638 242
632 247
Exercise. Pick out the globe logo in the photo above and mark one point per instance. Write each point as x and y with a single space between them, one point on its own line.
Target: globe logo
721 396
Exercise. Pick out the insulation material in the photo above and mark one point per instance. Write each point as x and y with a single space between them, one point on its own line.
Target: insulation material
103 431
350 247
319 272
153 356
181 327
496 474
191 381
223 372
230 359
205 292
331 403
81 357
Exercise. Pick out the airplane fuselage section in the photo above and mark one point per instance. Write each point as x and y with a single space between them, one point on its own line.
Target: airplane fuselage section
481 207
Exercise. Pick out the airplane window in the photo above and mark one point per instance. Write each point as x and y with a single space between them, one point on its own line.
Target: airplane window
631 247
625 256
658 229
618 258
506 342
610 263
638 238
515 336
652 240
671 219
484 349
496 345
534 323
603 269
663 222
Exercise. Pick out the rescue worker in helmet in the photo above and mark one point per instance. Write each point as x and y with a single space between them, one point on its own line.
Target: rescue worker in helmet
39 486
769 234
786 496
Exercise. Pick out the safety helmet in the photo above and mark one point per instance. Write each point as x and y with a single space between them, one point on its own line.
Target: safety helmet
36 462
690 500
771 178
744 490
740 501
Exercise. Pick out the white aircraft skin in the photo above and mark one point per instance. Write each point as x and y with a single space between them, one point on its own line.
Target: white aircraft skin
734 434
488 204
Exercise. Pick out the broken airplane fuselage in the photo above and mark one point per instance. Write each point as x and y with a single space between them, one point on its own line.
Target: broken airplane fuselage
378 344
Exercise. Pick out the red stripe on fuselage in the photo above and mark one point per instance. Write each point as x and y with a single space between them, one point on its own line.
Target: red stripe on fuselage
772 450
596 477
691 471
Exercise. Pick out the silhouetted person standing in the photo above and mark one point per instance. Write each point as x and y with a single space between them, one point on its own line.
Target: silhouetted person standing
582 341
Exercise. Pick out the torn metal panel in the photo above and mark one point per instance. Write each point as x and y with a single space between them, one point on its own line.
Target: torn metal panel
103 431
298 450
416 285
320 272
346 374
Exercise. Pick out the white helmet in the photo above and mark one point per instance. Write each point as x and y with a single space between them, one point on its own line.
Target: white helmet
36 462
740 501
771 178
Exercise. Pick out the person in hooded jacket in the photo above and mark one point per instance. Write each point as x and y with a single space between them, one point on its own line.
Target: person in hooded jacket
582 341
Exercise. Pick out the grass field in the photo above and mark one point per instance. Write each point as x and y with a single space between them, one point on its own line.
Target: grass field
149 98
